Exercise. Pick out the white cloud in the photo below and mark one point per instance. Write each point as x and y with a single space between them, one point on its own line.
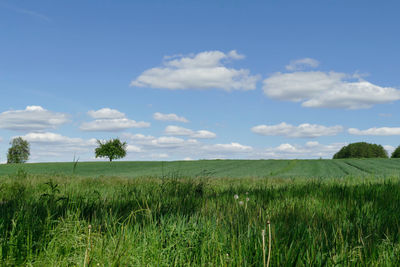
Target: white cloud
167 141
304 130
133 148
177 130
383 131
159 156
301 64
309 150
288 148
112 125
203 134
204 70
56 147
179 148
327 89
149 141
106 113
389 149
181 131
54 138
138 137
232 147
169 117
312 144
110 120
32 118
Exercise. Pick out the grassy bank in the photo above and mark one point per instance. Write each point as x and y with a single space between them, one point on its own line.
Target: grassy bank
58 220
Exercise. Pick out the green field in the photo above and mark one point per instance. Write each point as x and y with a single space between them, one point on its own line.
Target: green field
322 213
217 168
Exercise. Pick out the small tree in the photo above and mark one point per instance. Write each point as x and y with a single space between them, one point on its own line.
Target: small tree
111 149
396 153
19 151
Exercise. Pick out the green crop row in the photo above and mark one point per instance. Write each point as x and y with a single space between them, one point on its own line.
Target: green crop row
215 168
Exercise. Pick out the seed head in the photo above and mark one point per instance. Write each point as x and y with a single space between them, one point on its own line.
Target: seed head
236 196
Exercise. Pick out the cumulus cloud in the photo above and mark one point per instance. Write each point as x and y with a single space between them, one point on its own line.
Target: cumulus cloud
138 137
383 131
204 70
169 117
304 130
112 125
133 148
159 156
328 90
54 146
106 113
309 150
110 120
203 134
171 142
32 118
181 131
181 148
231 148
177 130
53 138
301 64
185 146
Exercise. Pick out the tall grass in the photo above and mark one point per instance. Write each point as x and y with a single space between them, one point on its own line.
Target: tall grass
177 221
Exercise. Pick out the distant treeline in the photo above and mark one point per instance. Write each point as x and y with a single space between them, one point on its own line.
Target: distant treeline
365 150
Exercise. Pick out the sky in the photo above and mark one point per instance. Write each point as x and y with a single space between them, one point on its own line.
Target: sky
188 80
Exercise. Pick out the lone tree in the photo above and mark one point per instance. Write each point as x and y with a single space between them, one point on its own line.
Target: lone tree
396 153
19 151
361 150
111 149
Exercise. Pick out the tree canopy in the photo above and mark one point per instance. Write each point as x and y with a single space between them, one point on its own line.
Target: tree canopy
361 150
111 149
19 151
396 153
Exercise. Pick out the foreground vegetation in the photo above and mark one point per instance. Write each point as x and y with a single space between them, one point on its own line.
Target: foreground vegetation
59 220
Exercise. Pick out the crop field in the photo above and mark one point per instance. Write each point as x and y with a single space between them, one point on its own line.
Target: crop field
201 213
216 168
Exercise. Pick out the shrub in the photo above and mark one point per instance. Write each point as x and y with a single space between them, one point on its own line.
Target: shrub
361 150
396 153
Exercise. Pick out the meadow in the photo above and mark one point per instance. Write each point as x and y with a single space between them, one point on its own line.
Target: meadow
201 213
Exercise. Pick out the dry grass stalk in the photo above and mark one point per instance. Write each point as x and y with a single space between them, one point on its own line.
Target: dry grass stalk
269 242
263 244
86 261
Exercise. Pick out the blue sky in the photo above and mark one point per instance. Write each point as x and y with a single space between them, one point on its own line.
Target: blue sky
199 79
